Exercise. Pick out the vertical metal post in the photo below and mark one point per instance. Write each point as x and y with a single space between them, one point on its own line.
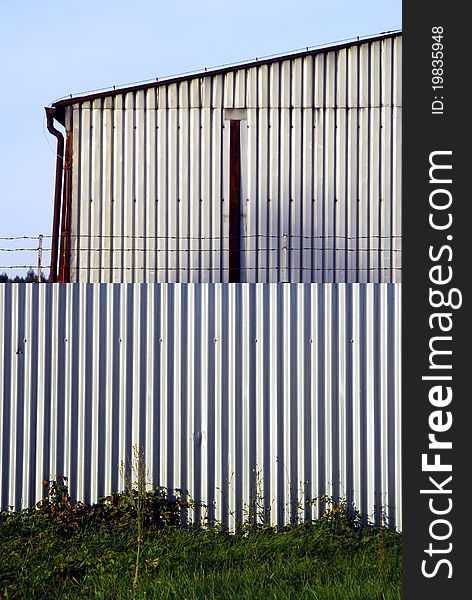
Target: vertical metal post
40 255
235 203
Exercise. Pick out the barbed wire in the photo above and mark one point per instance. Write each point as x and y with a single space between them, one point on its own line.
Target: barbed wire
24 249
184 246
222 249
185 237
220 268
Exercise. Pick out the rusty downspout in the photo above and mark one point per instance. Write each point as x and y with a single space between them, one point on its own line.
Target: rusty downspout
57 192
64 250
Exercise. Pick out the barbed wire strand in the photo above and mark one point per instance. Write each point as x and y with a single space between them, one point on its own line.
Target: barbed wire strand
221 268
222 249
184 237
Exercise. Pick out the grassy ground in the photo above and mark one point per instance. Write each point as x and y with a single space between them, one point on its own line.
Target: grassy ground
37 561
70 551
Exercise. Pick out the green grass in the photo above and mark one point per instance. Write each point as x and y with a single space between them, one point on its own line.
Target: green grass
306 561
130 545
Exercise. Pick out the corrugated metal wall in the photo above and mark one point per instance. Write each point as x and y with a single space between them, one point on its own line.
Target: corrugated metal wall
321 173
293 390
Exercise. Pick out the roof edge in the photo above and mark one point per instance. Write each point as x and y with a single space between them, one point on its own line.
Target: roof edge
59 105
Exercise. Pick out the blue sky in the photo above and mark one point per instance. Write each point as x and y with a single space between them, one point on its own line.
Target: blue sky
50 49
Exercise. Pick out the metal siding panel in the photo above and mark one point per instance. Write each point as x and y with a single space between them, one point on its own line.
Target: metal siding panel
383 431
375 160
74 117
330 80
218 455
356 396
240 100
396 505
387 148
296 205
172 96
387 73
25 442
252 200
177 323
307 186
318 212
117 189
107 424
370 398
252 91
339 242
284 200
64 441
250 207
229 90
172 230
353 90
245 262
341 79
264 242
396 207
225 186
386 200
206 262
195 178
343 106
10 430
85 192
54 356
363 214
150 230
260 397
190 375
302 435
97 344
129 199
397 71
232 376
184 182
121 384
329 368
285 433
263 87
141 201
216 198
96 202
37 467
161 163
107 192
274 168
329 195
352 196
375 73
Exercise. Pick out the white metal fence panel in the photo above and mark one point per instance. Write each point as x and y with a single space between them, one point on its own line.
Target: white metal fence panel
321 173
234 391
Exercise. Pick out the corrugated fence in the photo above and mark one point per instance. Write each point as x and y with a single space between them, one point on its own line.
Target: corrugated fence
237 392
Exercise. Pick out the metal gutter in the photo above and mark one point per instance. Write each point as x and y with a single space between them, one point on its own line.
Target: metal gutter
50 114
61 104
